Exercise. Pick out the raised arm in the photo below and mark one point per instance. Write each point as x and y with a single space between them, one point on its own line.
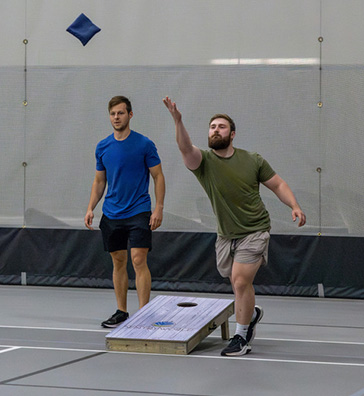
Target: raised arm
97 191
191 154
285 194
159 190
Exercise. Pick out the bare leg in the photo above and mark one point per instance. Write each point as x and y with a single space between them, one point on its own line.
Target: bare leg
120 278
242 278
143 279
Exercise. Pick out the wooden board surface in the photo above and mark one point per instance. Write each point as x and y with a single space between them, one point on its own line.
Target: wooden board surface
171 323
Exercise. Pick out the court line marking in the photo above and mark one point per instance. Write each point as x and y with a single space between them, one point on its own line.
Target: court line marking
9 349
116 391
57 366
210 336
303 341
312 341
55 328
237 358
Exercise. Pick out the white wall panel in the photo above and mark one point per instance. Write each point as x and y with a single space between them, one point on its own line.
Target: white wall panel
13 26
258 61
343 32
165 32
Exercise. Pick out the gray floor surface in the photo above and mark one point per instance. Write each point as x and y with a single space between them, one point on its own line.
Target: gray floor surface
52 344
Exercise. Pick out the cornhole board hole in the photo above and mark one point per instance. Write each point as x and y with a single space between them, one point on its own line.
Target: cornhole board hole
172 325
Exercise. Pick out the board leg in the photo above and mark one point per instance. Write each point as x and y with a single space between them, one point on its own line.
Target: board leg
225 330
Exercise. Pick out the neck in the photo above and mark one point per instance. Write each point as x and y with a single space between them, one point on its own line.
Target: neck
121 135
225 153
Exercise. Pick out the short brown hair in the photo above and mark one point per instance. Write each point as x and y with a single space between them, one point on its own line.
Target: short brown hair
120 99
225 117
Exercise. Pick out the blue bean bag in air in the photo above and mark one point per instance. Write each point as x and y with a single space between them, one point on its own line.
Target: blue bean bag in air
83 29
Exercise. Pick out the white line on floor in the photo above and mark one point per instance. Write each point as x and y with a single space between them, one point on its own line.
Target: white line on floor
9 349
210 336
314 341
241 358
308 341
55 328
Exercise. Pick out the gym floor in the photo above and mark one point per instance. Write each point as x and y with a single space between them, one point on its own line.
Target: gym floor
52 343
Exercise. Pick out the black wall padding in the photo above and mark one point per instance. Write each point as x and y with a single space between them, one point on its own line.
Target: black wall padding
183 262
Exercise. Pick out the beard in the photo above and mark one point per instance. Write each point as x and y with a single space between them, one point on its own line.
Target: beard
216 142
120 127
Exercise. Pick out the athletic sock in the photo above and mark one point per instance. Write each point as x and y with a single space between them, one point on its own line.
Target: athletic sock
242 330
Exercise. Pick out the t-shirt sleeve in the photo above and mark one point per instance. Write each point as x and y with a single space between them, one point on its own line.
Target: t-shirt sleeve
152 157
199 171
99 165
266 172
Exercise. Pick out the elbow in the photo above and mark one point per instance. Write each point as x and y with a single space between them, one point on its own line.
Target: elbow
185 149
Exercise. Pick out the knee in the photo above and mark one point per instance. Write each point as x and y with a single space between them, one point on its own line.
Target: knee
119 260
241 284
139 262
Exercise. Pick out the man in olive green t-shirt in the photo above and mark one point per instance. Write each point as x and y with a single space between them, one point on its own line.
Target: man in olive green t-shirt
232 184
231 179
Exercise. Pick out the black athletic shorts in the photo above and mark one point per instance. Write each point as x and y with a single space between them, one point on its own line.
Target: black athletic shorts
116 233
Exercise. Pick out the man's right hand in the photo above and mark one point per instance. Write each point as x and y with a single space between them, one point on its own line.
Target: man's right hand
172 107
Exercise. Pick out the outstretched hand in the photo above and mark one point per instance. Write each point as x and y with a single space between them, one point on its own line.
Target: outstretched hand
297 213
172 107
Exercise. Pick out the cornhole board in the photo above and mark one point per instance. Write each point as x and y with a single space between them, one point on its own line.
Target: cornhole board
172 325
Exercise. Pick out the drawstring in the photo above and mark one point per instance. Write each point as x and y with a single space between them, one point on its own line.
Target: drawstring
233 247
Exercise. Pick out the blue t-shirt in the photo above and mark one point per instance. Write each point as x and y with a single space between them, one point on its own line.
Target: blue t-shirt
127 164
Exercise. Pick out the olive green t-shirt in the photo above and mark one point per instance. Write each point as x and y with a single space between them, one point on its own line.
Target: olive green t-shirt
232 184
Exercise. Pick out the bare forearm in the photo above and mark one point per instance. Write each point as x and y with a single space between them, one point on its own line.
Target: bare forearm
285 194
191 155
183 138
97 191
159 190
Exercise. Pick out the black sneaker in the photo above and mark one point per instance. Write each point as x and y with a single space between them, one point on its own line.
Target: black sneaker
237 347
116 319
253 324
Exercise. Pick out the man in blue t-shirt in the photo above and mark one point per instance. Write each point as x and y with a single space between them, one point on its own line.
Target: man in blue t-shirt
124 161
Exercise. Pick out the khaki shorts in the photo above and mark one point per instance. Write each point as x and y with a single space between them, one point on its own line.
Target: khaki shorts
249 249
